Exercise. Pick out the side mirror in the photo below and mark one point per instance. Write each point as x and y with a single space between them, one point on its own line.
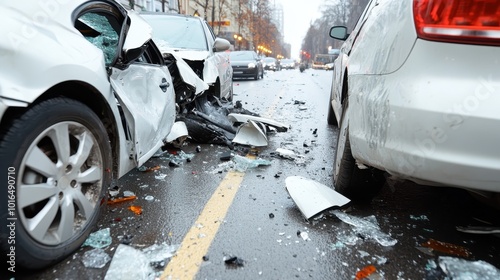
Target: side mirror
339 32
221 45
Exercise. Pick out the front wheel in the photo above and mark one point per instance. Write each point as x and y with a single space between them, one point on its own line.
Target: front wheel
355 183
60 155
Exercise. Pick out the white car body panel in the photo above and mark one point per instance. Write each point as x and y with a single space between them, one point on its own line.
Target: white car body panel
153 119
188 75
421 110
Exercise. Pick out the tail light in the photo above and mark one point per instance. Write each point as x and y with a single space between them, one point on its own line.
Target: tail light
458 21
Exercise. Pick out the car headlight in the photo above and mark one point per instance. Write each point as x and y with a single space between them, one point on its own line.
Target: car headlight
251 65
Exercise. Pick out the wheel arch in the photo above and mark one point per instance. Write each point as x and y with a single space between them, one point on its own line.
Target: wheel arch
84 93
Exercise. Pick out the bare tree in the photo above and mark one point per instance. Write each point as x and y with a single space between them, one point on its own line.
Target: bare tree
205 4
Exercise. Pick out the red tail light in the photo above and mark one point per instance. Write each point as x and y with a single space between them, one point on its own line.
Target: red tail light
458 21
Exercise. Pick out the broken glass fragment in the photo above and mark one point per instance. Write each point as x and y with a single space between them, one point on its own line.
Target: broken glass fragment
95 258
128 193
149 198
244 163
419 218
129 263
367 227
460 269
160 252
99 239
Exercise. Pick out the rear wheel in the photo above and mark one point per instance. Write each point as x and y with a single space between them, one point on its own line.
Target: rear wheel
353 182
60 155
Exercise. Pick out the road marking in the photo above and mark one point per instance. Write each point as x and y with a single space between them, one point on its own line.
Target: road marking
185 264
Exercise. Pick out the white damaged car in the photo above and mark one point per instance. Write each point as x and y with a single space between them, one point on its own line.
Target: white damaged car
416 95
85 96
191 40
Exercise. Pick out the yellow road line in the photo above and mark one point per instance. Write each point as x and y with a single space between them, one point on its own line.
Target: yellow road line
185 264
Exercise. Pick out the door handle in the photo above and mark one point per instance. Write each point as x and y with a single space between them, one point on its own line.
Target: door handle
164 85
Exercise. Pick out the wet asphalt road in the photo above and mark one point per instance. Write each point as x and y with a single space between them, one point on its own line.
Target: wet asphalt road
261 225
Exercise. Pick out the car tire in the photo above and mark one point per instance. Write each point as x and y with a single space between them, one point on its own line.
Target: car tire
256 77
262 74
60 157
355 183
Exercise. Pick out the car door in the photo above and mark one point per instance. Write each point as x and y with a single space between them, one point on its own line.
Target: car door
141 83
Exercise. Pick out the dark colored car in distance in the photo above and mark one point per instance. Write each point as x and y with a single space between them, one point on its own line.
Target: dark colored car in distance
246 64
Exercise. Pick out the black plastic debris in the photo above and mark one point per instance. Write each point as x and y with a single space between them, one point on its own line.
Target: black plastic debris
126 239
271 215
205 258
198 149
315 131
234 261
174 163
226 156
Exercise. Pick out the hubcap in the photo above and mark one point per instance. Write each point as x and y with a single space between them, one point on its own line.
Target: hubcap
61 180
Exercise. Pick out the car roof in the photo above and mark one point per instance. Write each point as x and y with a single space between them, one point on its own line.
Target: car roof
169 14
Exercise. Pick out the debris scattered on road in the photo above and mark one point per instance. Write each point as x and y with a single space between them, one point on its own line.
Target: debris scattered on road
95 258
126 239
447 248
233 261
284 153
457 268
157 254
479 229
226 156
419 218
313 197
149 198
367 228
128 194
365 272
136 209
242 163
143 168
271 215
99 239
114 191
121 199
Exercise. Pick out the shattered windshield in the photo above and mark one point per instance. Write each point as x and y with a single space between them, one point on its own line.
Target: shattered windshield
98 31
177 32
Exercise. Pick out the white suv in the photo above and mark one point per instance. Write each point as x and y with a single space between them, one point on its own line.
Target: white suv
416 93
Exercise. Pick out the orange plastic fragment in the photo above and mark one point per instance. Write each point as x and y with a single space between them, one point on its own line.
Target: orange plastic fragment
136 209
121 199
365 272
447 248
153 168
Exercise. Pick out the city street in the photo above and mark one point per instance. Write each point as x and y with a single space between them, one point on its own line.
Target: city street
215 222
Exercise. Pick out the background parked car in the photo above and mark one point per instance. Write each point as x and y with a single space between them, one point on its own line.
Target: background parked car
194 40
246 64
270 63
287 63
413 102
72 119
